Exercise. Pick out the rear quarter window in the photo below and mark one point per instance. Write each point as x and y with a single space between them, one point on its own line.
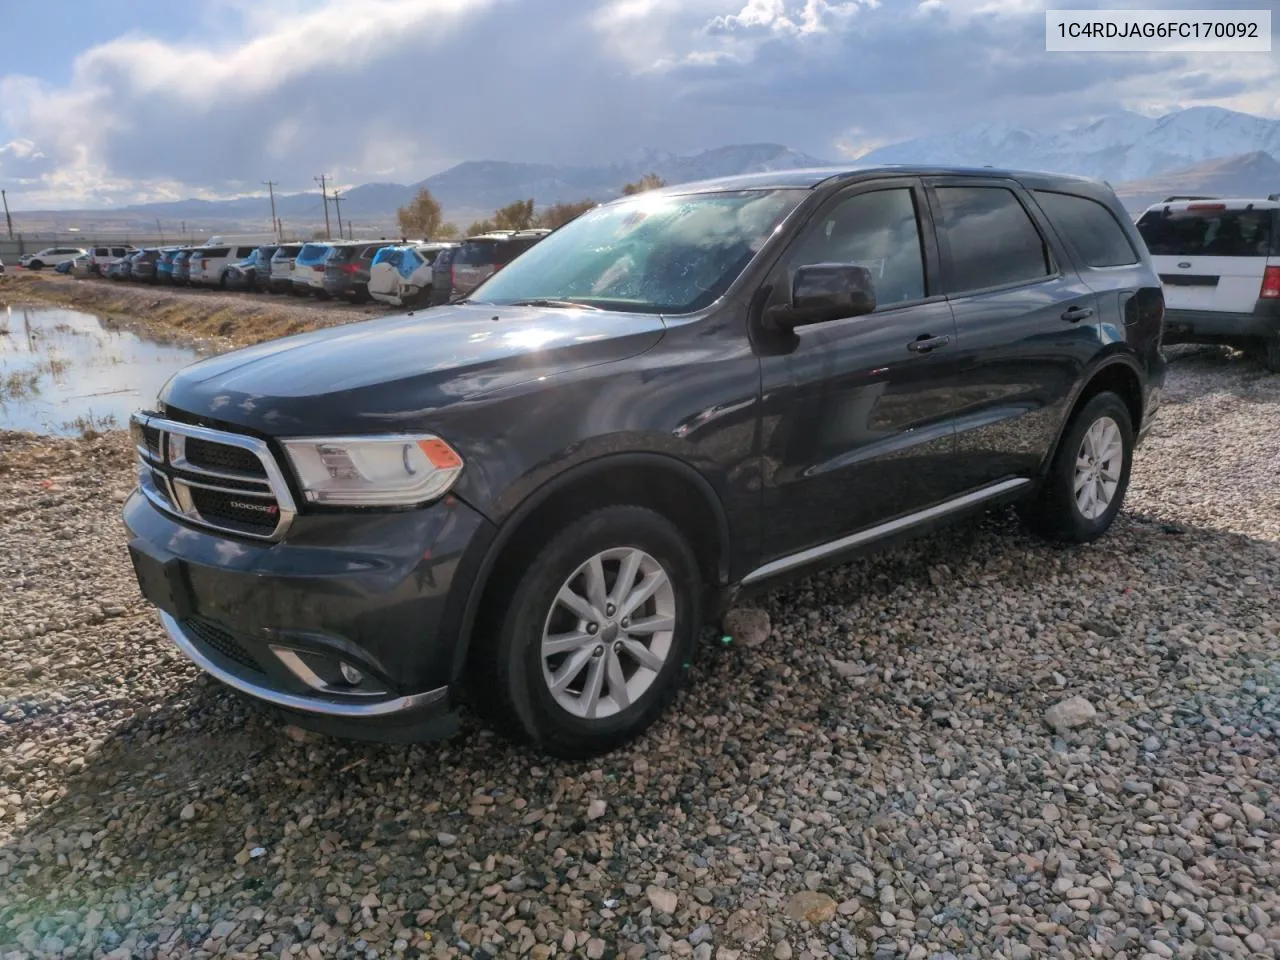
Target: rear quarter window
215 252
1089 227
1208 231
312 251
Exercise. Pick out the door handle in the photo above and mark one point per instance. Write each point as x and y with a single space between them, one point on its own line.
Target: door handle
1076 314
925 343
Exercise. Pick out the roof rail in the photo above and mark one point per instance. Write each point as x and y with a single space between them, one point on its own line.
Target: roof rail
1179 196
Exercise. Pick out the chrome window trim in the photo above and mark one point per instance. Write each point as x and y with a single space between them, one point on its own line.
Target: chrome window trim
175 497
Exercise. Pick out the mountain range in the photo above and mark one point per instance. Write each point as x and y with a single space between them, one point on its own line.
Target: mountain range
1197 150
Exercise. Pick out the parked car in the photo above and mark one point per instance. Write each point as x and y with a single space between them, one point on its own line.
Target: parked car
122 269
442 276
82 266
262 267
65 266
481 256
100 258
243 274
49 257
346 272
536 497
402 275
282 262
164 265
1219 261
1 268
143 265
181 273
308 268
209 263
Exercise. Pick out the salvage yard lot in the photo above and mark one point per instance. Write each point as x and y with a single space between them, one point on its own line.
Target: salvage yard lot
885 748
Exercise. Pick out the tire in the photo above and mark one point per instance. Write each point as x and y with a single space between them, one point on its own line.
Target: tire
1271 354
511 680
35 265
1055 512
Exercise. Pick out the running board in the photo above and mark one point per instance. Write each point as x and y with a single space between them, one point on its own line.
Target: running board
782 564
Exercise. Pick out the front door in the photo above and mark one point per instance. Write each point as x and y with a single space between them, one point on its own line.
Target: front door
857 413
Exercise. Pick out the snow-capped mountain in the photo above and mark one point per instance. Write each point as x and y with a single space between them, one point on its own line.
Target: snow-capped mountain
1118 147
1254 174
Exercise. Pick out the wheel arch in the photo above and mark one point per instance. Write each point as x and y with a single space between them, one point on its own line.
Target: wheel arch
1116 372
664 483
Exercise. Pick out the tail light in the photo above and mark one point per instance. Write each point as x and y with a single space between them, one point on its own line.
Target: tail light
1270 284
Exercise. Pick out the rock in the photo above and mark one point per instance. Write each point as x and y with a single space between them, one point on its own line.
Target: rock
1253 814
595 948
702 951
223 929
1070 713
699 935
446 839
596 809
662 900
811 905
782 950
747 626
188 812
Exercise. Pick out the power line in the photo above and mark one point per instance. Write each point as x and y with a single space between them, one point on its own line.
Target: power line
322 180
271 191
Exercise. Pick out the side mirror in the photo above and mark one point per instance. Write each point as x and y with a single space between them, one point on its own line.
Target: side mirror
825 291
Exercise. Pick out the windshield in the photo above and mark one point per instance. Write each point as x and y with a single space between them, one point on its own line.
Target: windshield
651 254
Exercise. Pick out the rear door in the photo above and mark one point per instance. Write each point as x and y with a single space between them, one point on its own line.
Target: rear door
1026 325
1211 255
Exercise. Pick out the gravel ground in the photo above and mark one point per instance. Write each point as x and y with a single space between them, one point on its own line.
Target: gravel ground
878 777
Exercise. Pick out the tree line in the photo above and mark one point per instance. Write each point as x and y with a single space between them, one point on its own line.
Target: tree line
422 216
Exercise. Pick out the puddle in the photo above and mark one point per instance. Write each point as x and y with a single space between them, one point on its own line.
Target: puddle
63 371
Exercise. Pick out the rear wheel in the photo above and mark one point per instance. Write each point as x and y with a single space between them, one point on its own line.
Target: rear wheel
1086 484
590 636
1271 354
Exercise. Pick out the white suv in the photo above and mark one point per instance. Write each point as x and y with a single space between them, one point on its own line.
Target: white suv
1219 261
102 257
49 257
209 264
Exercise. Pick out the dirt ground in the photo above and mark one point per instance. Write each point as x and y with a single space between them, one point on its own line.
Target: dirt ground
227 319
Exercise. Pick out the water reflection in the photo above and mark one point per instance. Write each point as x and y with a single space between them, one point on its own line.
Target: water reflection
63 371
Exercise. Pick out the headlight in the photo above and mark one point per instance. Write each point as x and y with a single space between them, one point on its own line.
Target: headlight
373 471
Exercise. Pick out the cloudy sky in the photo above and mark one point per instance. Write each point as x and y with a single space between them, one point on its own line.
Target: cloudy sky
102 104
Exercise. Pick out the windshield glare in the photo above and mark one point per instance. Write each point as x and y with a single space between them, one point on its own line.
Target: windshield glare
651 254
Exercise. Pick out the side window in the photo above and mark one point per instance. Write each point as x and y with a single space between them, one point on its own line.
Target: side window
100 252
991 238
877 230
1090 227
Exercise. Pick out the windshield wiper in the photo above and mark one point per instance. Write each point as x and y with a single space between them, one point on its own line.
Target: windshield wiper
545 302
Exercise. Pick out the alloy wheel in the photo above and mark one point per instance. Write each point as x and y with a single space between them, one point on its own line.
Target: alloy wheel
609 633
1099 463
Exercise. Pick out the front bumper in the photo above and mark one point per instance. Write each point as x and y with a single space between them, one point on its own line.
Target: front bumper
1208 326
381 592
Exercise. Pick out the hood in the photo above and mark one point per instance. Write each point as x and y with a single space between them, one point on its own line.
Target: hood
393 373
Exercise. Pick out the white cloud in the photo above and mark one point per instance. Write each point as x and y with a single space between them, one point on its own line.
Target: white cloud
396 89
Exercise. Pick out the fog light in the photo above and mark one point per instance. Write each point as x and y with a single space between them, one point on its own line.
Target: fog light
350 674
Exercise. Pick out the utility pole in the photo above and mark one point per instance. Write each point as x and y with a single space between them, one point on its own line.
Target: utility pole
160 229
7 219
322 180
271 191
337 205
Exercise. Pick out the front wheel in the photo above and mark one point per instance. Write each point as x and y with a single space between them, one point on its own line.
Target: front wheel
35 265
591 635
1086 484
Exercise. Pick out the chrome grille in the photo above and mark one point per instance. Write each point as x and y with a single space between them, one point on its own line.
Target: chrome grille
225 481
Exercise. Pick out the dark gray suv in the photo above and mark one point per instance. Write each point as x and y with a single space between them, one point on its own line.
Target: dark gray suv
536 497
